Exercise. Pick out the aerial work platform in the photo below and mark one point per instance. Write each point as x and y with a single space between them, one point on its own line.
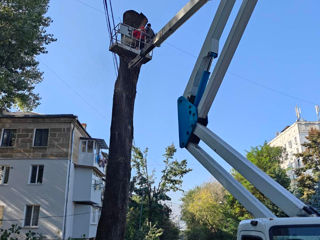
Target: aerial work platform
124 42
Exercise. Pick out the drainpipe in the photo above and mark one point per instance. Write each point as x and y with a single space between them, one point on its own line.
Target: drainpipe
67 190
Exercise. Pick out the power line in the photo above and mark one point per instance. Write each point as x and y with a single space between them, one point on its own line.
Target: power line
192 55
48 216
181 50
114 57
249 80
107 16
89 6
272 89
112 13
97 111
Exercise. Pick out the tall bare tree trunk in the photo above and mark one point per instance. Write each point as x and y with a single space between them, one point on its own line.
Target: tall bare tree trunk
112 222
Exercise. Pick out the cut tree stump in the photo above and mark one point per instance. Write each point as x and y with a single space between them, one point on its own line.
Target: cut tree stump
114 210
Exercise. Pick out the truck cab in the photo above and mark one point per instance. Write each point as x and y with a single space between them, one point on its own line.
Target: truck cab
293 228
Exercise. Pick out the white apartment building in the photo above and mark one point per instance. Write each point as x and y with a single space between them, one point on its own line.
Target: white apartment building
51 175
291 138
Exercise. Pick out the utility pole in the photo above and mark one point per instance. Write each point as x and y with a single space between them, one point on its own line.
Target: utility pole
114 210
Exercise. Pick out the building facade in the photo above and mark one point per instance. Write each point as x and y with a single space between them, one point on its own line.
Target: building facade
291 139
51 175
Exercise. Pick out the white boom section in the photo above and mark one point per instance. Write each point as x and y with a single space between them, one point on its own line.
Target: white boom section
225 58
281 197
252 204
211 44
180 18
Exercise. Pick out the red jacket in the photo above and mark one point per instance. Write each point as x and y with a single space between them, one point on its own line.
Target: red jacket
139 33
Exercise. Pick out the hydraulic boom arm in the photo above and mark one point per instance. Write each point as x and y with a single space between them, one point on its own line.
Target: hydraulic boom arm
180 18
194 106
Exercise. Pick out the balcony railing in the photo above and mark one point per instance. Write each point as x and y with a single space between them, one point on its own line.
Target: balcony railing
129 41
90 153
88 186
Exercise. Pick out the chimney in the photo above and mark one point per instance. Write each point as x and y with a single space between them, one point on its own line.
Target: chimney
84 125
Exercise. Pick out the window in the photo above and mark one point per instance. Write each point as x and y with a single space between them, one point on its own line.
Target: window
94 215
290 144
41 137
1 214
32 216
87 146
90 146
311 231
4 174
8 137
83 146
36 174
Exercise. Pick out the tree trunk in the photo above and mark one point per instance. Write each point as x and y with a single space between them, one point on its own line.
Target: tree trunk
113 215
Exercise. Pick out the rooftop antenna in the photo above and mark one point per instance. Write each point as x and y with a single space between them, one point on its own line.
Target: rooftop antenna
298 113
317 112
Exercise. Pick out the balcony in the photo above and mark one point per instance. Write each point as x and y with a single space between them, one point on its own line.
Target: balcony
88 186
85 221
90 153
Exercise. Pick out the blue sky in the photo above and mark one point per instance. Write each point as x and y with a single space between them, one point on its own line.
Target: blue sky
275 68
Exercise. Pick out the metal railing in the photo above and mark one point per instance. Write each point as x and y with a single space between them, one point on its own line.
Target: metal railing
132 38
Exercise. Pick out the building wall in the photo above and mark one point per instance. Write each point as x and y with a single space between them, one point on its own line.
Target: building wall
69 210
58 140
50 195
58 212
304 129
292 139
78 132
84 189
83 222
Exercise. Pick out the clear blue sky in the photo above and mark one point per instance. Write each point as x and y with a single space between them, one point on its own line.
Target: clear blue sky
275 68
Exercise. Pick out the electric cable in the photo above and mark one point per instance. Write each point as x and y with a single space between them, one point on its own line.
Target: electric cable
112 13
98 113
107 16
48 216
106 13
249 80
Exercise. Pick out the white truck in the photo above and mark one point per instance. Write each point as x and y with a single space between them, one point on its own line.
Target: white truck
303 222
294 228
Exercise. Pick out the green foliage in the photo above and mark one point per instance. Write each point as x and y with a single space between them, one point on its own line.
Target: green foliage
23 36
212 213
14 233
308 176
206 212
268 159
153 232
315 199
148 215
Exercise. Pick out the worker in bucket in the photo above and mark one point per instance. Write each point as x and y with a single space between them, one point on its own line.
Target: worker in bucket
149 32
140 36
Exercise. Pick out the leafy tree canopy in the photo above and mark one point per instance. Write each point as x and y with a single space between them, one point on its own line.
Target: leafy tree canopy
205 210
149 215
268 159
215 213
23 36
308 176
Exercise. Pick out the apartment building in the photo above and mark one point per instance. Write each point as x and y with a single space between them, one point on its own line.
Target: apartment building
51 175
291 138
